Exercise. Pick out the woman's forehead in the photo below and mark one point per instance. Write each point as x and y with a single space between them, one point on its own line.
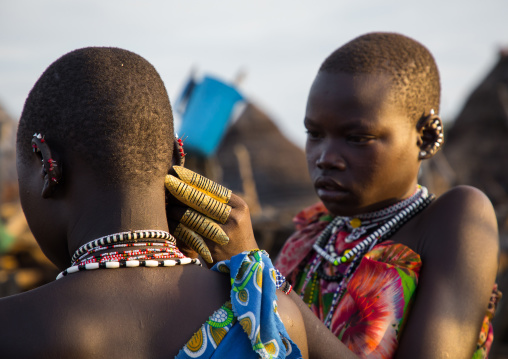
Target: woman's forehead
355 96
361 88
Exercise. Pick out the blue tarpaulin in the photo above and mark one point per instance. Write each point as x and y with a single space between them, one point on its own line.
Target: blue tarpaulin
206 108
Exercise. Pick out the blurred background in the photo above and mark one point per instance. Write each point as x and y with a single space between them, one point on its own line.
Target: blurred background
244 69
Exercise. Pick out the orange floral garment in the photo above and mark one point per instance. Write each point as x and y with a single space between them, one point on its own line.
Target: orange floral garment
371 315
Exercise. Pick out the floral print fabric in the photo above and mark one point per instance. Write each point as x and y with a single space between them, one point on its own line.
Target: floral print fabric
370 316
247 326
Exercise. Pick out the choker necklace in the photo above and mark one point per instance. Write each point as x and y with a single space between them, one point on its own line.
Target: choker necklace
156 254
382 224
164 247
122 237
360 224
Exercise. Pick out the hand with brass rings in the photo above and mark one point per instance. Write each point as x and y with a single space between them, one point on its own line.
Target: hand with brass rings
209 202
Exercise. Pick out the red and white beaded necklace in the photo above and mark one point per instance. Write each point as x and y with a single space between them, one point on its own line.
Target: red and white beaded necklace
160 253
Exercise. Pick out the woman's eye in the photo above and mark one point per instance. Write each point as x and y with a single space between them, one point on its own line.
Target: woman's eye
360 139
312 134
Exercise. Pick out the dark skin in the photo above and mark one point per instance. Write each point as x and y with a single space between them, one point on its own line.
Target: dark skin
356 143
122 313
364 154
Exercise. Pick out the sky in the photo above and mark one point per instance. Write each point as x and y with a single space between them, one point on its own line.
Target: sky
279 45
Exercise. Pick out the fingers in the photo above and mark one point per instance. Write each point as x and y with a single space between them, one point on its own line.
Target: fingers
197 199
211 188
208 202
238 203
193 240
204 226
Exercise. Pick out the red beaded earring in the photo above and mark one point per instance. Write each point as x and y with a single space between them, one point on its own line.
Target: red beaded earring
51 171
179 148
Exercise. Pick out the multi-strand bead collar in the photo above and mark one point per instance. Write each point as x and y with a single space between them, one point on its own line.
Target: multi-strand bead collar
122 237
96 254
380 224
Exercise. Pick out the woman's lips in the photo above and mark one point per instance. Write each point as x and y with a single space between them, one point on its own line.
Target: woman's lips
329 190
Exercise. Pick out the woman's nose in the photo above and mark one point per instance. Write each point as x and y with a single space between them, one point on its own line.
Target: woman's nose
331 159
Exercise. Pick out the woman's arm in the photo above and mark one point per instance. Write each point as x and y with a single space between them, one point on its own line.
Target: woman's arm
293 322
459 251
320 341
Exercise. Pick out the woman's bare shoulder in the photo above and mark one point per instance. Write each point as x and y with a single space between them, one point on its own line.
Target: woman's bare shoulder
465 200
462 216
95 308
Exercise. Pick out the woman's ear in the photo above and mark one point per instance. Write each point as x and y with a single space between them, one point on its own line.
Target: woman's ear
430 135
51 167
178 154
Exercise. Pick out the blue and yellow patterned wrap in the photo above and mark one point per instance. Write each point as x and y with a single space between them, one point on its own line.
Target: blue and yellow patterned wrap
247 326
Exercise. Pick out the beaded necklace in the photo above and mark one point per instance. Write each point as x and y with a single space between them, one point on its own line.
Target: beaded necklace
136 254
166 254
167 247
122 237
382 224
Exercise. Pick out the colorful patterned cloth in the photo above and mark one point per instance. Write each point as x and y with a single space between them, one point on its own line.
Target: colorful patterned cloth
247 326
371 315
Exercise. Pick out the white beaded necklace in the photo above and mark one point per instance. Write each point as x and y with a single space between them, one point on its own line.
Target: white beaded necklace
390 215
129 264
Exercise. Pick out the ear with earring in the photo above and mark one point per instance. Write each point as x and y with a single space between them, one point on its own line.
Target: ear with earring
51 169
431 138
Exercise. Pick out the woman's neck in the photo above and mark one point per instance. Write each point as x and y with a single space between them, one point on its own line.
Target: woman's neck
107 212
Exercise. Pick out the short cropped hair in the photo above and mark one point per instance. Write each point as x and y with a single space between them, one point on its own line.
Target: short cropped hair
410 65
109 107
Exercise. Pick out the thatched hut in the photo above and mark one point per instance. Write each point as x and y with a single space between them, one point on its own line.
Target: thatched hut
477 144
